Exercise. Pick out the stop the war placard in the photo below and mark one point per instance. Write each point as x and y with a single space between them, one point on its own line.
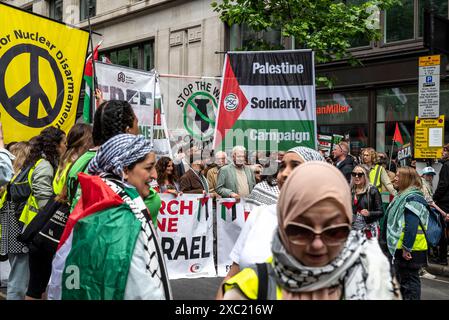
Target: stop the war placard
267 101
185 228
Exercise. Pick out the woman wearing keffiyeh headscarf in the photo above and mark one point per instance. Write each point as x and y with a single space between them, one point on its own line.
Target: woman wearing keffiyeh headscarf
109 248
316 256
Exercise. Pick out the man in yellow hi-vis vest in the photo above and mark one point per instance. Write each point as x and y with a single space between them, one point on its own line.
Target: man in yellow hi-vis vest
377 174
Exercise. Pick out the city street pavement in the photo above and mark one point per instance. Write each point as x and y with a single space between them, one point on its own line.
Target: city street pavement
206 288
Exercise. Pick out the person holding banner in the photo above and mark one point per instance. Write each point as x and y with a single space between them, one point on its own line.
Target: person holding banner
194 181
315 255
109 237
236 180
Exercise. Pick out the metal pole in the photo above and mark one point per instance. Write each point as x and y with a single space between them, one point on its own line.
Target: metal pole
391 155
94 78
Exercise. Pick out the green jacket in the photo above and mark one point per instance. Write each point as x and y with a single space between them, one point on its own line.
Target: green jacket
227 180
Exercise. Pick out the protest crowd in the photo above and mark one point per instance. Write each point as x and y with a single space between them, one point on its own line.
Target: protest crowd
317 228
110 205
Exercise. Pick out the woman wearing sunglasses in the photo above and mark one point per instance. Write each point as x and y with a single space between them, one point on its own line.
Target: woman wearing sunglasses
366 203
316 256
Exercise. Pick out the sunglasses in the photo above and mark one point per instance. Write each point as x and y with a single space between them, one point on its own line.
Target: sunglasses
357 174
302 234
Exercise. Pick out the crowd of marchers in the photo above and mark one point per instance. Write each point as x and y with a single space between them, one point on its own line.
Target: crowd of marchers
79 216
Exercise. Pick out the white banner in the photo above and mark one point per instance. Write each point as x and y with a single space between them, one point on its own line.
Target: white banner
185 228
191 105
231 217
141 89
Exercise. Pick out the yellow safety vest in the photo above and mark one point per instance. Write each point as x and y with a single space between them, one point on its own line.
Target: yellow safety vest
60 179
31 207
248 283
374 176
420 243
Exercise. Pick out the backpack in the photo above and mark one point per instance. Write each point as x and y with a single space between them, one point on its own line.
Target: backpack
434 230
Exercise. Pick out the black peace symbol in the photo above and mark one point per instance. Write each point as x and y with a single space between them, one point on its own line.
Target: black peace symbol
33 89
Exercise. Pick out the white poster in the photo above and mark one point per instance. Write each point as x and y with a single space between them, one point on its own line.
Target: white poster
231 217
141 89
185 229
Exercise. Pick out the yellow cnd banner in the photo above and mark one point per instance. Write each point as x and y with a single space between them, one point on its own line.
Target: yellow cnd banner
41 69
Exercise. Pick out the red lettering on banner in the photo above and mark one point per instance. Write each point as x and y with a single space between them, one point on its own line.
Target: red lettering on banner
169 207
162 209
188 207
172 225
167 224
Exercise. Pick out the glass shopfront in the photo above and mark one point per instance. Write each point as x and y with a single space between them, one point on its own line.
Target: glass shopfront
344 114
400 104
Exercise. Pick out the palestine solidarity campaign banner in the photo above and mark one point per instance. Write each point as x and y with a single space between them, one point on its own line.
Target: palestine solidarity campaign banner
267 101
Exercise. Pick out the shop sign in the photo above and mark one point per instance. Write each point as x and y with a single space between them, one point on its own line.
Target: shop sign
429 87
429 135
405 152
332 109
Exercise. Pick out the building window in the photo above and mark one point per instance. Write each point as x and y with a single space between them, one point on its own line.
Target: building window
399 22
344 114
400 105
440 7
243 37
28 8
137 56
405 22
87 7
56 10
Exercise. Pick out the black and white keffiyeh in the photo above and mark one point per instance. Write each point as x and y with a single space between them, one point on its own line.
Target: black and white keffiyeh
119 152
361 269
307 154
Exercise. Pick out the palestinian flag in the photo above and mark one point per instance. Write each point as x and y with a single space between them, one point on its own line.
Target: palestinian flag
89 87
229 210
102 251
267 101
203 202
397 137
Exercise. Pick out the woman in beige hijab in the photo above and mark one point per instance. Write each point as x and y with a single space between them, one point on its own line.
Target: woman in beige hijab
315 253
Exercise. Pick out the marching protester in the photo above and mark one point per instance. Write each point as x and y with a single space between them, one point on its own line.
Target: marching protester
30 190
166 176
404 234
366 203
441 198
235 180
254 242
43 233
377 173
221 160
344 162
10 246
111 237
314 237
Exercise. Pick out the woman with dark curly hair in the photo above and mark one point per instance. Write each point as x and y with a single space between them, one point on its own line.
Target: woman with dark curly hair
30 190
44 243
166 176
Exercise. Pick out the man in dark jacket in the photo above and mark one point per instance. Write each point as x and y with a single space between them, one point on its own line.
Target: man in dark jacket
344 162
193 181
441 198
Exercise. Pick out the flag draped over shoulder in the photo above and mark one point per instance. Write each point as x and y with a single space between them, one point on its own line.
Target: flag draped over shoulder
88 78
397 136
